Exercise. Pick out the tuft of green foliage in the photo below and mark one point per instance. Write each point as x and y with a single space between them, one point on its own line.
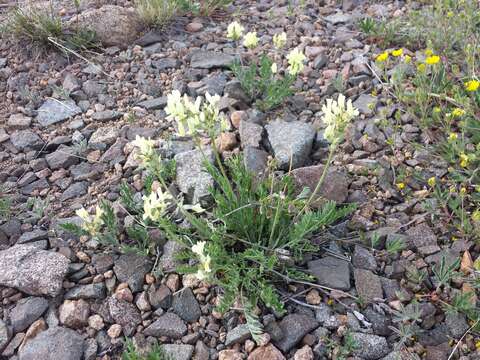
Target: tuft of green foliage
262 85
255 234
43 27
5 206
156 353
157 13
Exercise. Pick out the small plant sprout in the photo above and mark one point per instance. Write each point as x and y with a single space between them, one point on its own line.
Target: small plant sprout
235 31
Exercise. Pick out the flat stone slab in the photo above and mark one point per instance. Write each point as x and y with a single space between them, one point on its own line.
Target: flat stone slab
33 271
54 111
210 59
332 272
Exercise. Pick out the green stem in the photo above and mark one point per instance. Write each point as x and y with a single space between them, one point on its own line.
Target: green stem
333 148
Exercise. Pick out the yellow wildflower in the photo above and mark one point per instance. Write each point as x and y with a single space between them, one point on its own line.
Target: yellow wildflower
408 59
436 109
336 116
421 67
457 112
295 60
279 40
428 52
464 160
452 137
432 181
472 85
398 52
205 260
235 31
432 60
463 191
155 205
401 186
476 216
382 57
250 40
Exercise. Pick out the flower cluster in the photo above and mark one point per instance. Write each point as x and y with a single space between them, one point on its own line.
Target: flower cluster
91 224
145 147
197 116
295 58
205 260
155 205
472 85
336 116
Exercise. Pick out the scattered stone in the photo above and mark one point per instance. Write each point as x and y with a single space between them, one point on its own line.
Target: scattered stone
33 271
75 190
168 324
120 26
26 311
332 272
54 111
103 137
167 261
132 268
186 306
370 347
457 324
192 179
160 297
74 313
125 314
366 104
209 59
178 352
154 104
19 121
368 285
62 158
31 236
291 142
237 335
89 291
269 352
294 328
106 115
4 335
305 353
250 134
334 187
363 259
56 343
26 139
114 331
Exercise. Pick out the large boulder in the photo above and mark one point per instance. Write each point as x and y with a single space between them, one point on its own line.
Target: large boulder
113 25
33 271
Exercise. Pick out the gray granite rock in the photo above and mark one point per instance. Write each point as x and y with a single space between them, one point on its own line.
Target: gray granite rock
132 268
238 334
291 142
125 314
26 311
5 335
368 285
54 111
168 324
56 343
186 305
332 272
192 179
178 352
210 59
88 291
26 139
370 347
294 328
33 271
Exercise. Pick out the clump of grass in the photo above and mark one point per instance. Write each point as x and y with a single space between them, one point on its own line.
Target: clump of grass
157 13
45 28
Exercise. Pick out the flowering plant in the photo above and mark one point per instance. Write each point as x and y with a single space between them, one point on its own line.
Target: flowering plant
262 80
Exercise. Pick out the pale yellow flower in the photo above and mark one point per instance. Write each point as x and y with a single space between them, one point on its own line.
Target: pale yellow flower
452 137
235 31
83 214
273 69
155 205
336 116
250 40
401 186
432 181
279 40
205 260
457 112
295 60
